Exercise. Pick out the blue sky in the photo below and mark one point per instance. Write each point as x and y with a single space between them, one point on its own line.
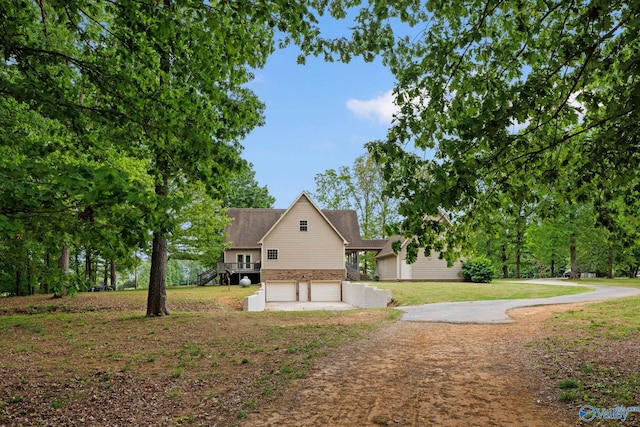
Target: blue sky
318 117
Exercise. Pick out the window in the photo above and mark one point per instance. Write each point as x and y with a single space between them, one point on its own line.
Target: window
272 254
303 225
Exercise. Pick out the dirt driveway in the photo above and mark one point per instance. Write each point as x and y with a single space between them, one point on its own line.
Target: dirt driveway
428 374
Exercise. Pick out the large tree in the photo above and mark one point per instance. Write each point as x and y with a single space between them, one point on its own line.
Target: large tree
492 93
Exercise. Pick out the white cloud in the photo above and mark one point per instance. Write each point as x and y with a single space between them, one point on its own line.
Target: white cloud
380 109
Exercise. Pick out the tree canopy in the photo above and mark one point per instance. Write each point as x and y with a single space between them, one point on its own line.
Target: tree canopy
245 192
359 187
498 97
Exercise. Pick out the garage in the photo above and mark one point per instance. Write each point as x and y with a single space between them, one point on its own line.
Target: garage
326 290
280 290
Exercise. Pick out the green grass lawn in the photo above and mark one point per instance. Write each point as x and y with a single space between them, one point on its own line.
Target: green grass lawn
96 343
416 293
618 281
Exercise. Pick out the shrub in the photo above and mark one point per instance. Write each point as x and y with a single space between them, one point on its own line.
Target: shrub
478 270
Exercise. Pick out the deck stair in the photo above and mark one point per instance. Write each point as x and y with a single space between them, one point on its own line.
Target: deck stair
206 276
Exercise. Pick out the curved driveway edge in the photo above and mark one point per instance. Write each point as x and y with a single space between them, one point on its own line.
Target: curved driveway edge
496 311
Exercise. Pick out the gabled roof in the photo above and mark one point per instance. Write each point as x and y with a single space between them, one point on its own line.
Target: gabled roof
387 250
347 223
303 195
250 226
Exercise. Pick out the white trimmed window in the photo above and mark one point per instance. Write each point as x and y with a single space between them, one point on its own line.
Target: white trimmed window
304 225
272 254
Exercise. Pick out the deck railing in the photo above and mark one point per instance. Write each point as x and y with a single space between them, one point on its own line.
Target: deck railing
238 267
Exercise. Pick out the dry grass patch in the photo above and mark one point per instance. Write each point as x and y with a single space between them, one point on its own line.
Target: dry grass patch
592 355
88 364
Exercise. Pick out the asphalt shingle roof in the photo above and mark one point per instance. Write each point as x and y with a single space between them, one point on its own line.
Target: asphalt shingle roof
250 225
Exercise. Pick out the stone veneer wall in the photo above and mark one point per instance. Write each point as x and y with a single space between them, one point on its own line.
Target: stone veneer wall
301 275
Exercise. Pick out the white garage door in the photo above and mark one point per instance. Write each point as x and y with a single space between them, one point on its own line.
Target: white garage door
326 291
281 291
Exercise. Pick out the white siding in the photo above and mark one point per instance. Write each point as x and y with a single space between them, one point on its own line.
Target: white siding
432 268
320 247
303 291
406 270
425 268
387 268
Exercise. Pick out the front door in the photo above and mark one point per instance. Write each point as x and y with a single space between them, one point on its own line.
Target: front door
244 262
303 291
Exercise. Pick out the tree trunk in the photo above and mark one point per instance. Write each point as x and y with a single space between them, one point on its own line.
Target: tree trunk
505 267
574 260
610 274
47 260
63 261
30 285
17 282
519 238
63 265
113 274
553 268
88 266
157 297
106 275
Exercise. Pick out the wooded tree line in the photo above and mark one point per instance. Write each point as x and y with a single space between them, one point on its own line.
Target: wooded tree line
522 240
33 263
533 242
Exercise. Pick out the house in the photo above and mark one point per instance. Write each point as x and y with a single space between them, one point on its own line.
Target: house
304 253
394 266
